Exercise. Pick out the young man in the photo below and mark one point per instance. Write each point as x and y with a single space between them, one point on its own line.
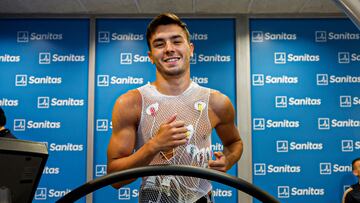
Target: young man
170 121
352 194
3 131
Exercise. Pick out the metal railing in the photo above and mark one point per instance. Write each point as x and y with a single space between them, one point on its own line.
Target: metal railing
181 170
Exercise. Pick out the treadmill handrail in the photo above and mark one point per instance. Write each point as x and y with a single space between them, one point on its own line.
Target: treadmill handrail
181 170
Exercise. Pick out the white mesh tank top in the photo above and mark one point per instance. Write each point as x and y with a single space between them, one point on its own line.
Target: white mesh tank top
192 107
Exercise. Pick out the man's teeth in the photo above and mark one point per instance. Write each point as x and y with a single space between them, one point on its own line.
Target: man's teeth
171 60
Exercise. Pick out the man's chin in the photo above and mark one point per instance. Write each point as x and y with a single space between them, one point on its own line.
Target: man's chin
173 72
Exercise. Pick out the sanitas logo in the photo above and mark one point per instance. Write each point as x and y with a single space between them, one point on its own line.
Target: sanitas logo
279 36
198 36
23 80
47 58
40 193
355 57
259 169
125 81
67 102
260 123
103 124
302 58
349 123
43 193
128 37
7 58
45 36
328 168
343 36
281 80
100 170
129 58
284 101
345 101
68 58
221 193
341 168
43 125
307 101
305 146
283 58
126 193
51 171
213 58
261 79
310 191
9 102
286 191
282 124
58 193
344 79
283 169
357 145
199 80
260 36
44 80
69 147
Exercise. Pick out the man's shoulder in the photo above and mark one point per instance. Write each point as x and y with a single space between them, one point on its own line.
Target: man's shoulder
221 106
218 100
356 186
353 191
127 109
132 98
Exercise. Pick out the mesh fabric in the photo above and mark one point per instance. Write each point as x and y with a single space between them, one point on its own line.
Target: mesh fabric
192 107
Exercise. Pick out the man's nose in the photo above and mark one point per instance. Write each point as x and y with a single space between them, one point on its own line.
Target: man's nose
169 47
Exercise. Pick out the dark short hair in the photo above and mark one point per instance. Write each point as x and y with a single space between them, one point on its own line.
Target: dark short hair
353 163
2 117
165 19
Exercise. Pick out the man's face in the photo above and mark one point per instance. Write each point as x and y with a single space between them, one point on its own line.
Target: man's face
356 170
170 50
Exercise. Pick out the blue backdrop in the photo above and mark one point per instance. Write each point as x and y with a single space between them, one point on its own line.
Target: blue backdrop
305 97
305 107
43 90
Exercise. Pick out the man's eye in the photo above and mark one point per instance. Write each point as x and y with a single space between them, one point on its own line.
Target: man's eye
157 45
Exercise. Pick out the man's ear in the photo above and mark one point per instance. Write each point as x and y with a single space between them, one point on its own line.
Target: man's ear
191 49
150 57
356 173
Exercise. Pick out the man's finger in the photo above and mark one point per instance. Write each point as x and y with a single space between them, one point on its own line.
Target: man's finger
171 119
218 155
177 124
215 163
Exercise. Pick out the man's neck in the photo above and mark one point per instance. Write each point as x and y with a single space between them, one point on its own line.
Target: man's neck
172 86
2 128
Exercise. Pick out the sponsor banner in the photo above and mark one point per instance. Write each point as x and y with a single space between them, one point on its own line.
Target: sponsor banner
305 100
123 64
41 62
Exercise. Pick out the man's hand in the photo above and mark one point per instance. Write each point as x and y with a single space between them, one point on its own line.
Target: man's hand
171 134
219 163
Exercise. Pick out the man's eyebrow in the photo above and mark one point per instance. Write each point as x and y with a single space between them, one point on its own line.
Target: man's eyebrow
176 37
162 39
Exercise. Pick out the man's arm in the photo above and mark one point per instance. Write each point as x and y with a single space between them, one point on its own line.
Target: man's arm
125 118
345 198
223 119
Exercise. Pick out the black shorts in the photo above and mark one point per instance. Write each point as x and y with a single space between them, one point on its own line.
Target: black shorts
152 195
205 199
